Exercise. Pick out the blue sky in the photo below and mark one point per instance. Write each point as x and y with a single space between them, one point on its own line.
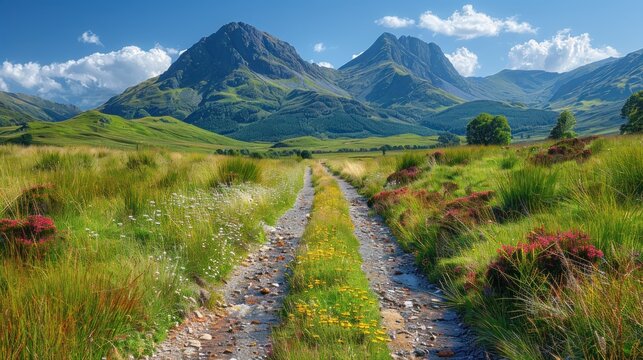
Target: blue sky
86 51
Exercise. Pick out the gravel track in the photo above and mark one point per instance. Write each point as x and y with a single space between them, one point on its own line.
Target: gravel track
252 297
413 310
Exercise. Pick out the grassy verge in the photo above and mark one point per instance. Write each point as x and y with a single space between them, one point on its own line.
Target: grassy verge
543 260
135 230
330 311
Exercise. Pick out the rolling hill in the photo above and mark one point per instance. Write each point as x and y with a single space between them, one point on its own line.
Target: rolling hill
98 129
21 108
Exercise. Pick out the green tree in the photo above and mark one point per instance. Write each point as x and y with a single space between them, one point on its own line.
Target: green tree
385 148
447 138
633 112
305 154
564 127
487 129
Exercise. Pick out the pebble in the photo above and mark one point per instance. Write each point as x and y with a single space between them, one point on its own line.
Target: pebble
205 337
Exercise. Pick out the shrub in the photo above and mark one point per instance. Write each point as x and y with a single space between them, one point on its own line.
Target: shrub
527 190
305 154
554 255
23 234
385 199
409 160
37 200
465 212
139 160
438 156
237 170
565 150
404 176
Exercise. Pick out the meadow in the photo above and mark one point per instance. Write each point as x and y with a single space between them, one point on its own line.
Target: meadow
104 250
539 245
330 312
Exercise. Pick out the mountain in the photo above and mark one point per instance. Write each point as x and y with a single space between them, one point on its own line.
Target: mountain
97 129
247 84
404 74
240 81
21 108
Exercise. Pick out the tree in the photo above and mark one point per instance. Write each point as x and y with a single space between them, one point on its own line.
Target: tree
385 148
447 139
564 127
305 154
633 112
487 129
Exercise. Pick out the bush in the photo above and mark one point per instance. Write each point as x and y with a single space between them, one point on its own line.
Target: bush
305 154
556 256
438 156
464 213
409 160
37 200
21 235
404 176
565 150
527 190
237 170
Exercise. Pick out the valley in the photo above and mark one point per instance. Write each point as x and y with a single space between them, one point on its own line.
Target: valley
242 198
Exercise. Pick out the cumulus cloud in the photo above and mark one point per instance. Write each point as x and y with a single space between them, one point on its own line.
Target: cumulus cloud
470 24
3 86
464 60
88 37
325 64
319 47
563 52
90 80
356 55
395 22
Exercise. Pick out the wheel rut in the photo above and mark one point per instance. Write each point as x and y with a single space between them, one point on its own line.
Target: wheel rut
252 298
413 310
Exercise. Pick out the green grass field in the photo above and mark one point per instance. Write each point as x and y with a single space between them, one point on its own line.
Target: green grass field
544 261
134 229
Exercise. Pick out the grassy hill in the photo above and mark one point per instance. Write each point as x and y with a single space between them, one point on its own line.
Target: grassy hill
20 108
97 129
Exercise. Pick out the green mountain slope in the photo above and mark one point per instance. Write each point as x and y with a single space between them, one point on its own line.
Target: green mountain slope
521 119
20 108
98 129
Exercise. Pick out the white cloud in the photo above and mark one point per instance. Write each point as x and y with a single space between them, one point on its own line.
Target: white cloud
563 52
469 24
3 86
356 55
325 64
464 60
319 47
88 37
90 80
395 22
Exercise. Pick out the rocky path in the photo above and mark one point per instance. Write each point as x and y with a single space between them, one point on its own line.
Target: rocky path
413 310
252 298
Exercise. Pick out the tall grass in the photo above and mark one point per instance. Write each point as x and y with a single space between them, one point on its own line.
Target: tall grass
596 314
410 159
237 170
528 190
131 243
